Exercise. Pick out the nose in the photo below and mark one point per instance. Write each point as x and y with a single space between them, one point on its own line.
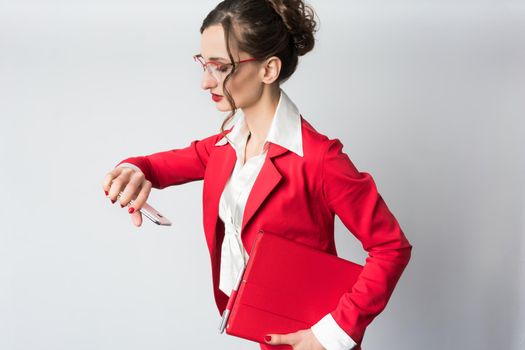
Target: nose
208 81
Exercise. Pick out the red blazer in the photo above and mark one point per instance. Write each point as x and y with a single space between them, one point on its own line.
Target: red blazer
297 197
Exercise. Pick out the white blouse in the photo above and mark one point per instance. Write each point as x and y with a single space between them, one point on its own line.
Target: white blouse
231 209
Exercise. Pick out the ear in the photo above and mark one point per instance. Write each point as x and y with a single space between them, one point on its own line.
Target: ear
270 69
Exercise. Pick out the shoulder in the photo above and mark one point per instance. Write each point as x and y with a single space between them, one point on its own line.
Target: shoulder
315 143
211 141
326 153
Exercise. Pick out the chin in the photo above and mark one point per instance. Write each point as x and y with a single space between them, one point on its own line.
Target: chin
223 108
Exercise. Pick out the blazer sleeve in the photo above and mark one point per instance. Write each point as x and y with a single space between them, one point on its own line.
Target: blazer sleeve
353 197
176 166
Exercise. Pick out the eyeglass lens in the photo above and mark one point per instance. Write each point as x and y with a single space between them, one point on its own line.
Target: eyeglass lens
218 71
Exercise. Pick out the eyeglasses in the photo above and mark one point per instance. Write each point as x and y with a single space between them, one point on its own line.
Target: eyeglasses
216 69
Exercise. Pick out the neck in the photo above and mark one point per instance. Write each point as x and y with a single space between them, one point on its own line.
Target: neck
259 116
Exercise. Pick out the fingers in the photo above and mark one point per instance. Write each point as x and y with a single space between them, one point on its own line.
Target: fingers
108 179
135 182
129 187
116 180
276 339
141 197
136 218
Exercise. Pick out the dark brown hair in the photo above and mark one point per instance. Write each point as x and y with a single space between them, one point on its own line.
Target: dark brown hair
264 28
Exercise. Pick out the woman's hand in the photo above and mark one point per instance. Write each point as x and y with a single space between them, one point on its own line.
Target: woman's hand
135 190
300 340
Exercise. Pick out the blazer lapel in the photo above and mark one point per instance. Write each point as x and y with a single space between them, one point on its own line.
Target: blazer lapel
265 182
219 168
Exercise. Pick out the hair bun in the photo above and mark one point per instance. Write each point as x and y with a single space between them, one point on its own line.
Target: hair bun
299 19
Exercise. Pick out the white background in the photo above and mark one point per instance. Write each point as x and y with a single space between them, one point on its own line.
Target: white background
427 96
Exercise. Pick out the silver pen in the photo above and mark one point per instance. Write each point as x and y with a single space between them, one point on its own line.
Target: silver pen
231 300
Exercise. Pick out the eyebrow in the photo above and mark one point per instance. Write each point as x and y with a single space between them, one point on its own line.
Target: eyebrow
216 58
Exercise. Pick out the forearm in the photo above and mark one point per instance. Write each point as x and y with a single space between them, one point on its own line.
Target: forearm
175 166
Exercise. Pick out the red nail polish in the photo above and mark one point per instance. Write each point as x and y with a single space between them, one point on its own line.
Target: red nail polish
121 206
131 210
113 201
268 337
106 192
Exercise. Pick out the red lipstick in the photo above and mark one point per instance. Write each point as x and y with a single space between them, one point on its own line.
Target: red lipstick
216 98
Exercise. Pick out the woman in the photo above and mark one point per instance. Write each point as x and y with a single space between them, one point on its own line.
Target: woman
272 170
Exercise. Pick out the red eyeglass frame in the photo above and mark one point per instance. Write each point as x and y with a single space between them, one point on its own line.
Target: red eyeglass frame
198 58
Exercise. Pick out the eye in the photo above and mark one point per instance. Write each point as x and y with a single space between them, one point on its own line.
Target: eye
223 68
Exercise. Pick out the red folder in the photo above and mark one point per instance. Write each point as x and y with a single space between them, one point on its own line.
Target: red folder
287 286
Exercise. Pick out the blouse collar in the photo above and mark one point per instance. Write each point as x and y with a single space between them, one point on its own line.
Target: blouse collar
285 129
